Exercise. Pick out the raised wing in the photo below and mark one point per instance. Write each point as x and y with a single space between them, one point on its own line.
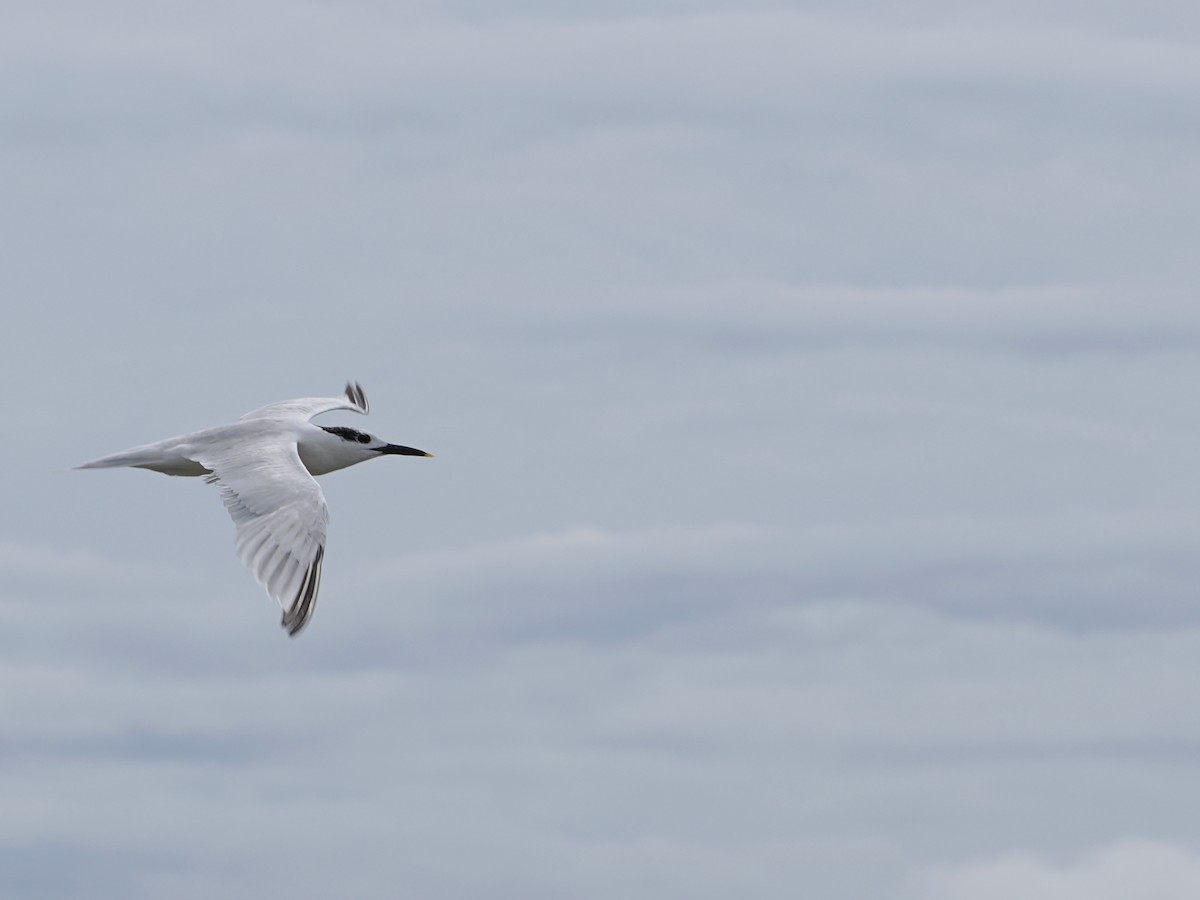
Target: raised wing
280 514
307 407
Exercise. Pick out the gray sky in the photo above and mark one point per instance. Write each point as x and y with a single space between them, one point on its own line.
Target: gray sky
814 510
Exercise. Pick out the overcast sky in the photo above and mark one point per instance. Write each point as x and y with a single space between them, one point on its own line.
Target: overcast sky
813 393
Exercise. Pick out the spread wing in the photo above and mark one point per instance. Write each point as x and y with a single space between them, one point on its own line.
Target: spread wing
280 514
307 407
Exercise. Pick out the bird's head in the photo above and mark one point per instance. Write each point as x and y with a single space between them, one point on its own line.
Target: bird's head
346 447
369 445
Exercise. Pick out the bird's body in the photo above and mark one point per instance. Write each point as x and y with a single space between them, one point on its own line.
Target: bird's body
264 465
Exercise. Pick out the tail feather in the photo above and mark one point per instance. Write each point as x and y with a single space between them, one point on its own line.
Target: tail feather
124 458
150 456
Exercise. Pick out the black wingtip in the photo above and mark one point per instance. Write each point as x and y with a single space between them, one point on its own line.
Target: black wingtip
297 616
356 395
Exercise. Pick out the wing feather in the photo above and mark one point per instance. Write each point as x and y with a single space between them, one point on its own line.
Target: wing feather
281 517
307 407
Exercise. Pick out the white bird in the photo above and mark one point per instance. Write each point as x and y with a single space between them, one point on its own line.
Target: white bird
264 464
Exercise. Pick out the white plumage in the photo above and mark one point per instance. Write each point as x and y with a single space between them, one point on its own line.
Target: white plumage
264 465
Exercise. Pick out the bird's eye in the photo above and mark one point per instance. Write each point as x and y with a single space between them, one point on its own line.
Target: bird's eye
364 439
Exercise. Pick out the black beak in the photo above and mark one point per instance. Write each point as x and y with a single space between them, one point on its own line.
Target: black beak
397 450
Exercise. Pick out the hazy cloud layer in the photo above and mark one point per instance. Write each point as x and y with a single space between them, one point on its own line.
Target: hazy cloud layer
1145 868
811 388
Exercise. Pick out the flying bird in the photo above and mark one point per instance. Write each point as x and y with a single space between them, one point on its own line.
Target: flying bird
264 465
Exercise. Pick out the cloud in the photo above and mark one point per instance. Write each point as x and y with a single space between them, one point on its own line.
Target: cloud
59 567
814 501
1155 870
1103 572
744 747
847 150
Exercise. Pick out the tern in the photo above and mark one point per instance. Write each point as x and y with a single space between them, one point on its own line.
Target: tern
264 465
